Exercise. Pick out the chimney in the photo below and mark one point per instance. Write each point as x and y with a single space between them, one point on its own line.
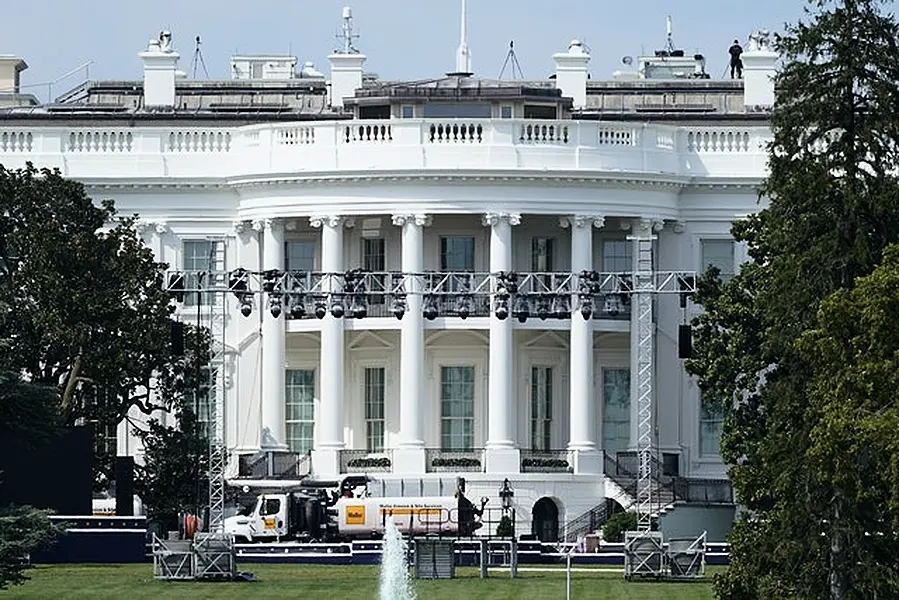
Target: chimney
571 73
346 64
160 72
759 70
10 67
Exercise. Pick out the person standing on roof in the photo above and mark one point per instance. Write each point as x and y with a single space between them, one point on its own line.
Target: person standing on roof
736 62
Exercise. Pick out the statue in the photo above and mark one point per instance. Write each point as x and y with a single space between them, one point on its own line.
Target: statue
165 41
759 41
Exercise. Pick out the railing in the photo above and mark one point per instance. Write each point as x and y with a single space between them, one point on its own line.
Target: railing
442 461
328 146
588 522
667 488
274 465
363 461
545 461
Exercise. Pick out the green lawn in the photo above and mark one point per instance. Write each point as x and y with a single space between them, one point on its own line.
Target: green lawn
360 583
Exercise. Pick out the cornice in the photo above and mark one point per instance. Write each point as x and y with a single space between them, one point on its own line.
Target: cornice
569 178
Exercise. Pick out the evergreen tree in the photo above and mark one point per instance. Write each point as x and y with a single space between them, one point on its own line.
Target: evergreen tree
833 206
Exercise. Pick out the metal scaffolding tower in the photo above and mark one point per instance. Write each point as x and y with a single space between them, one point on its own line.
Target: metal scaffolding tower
644 290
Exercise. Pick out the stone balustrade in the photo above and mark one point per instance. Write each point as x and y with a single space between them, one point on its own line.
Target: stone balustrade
390 146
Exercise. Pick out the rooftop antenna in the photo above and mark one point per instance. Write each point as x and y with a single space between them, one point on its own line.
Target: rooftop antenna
512 60
463 55
198 60
346 34
669 44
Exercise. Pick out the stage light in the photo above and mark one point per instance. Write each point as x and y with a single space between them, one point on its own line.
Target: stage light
543 308
430 311
586 307
320 309
297 307
274 305
463 307
399 307
337 309
522 309
246 307
501 309
358 309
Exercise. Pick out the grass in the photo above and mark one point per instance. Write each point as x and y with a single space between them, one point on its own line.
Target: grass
360 583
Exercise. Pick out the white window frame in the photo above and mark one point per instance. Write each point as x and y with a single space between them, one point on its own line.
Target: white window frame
367 421
288 421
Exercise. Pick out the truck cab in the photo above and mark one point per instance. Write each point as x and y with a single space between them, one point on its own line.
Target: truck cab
268 520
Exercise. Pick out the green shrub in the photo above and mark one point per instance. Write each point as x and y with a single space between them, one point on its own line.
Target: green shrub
505 527
614 528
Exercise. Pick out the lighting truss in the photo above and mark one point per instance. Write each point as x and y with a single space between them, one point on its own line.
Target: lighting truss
349 294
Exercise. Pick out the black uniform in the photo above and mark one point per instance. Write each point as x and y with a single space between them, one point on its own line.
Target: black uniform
736 63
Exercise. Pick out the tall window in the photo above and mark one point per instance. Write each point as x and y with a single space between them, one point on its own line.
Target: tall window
373 260
456 408
711 422
374 409
457 254
720 254
617 256
542 254
299 255
199 256
616 402
300 419
200 399
541 407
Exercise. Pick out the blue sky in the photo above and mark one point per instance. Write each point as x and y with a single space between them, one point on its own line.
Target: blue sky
403 39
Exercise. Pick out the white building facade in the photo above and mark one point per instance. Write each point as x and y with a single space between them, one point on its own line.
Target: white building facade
547 402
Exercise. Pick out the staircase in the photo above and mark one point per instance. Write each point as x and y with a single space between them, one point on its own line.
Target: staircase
667 490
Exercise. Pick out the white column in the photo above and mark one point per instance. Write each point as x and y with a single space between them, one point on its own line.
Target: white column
245 397
582 393
273 345
409 457
502 455
326 458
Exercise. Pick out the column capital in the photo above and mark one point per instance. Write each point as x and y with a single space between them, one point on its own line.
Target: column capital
495 218
332 221
141 226
419 220
645 225
273 224
241 227
258 224
679 226
162 227
597 221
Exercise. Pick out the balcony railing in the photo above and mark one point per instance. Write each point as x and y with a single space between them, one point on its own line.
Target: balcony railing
545 461
168 152
442 461
363 461
273 465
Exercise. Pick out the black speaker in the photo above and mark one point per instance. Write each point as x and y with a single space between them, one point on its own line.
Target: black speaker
177 338
685 341
124 486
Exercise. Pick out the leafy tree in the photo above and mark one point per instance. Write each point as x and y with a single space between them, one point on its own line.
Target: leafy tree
23 530
613 530
174 477
832 210
82 307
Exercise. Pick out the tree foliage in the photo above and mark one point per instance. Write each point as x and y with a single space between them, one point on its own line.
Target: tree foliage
83 310
23 530
174 477
833 206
